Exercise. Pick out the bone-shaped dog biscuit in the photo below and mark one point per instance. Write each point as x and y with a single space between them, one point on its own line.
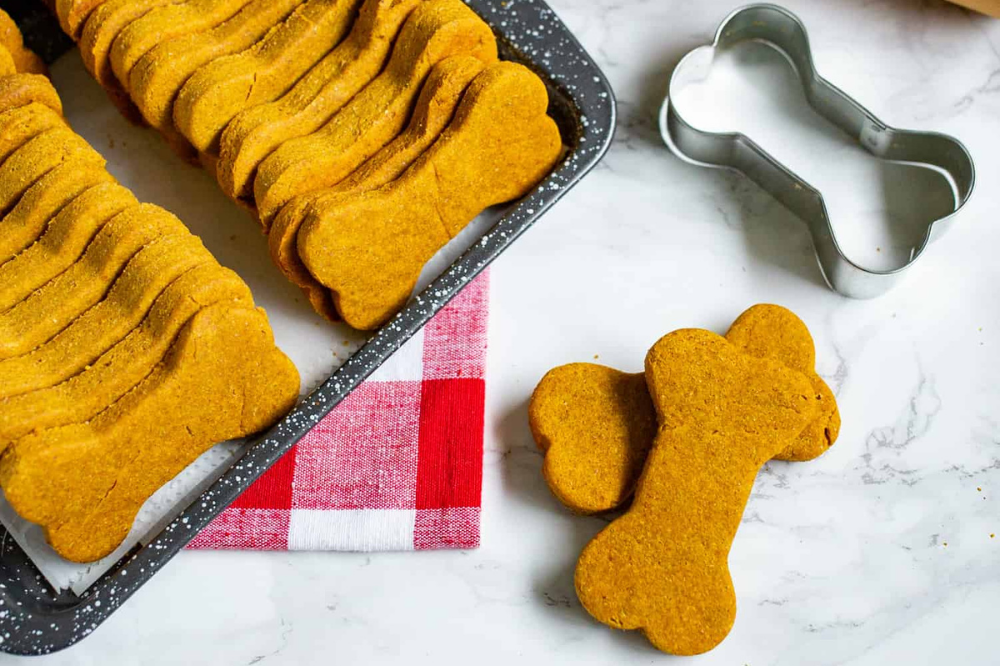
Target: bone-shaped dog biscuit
596 424
369 249
221 89
254 133
434 109
433 32
162 23
662 567
64 240
73 14
158 76
22 88
24 59
96 380
40 155
20 124
43 200
52 308
223 378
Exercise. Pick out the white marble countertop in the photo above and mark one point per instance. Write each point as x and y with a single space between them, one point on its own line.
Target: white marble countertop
879 552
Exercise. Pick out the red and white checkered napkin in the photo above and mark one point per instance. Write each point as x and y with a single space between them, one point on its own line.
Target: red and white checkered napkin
396 466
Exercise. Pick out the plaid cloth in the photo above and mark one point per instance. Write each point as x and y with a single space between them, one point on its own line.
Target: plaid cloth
396 466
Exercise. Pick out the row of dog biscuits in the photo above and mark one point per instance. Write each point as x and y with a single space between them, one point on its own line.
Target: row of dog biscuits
303 111
683 441
126 350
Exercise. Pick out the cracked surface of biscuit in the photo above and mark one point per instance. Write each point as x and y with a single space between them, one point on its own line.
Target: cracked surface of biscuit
223 378
662 567
157 77
254 133
222 88
65 238
433 32
434 109
56 305
103 376
369 249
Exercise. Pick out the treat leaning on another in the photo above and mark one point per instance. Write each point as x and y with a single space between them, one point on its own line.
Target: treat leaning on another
369 248
221 89
21 89
254 133
24 59
434 109
434 31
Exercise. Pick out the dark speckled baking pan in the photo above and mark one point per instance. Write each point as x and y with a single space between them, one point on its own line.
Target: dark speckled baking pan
33 618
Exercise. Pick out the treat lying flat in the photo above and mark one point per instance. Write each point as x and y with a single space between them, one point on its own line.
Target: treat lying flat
434 109
24 59
433 32
19 124
40 155
163 23
223 378
52 308
369 248
43 200
157 77
73 13
104 380
222 88
22 89
64 240
662 567
596 424
254 133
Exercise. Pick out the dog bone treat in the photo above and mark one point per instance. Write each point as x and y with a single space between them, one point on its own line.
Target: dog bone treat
369 249
162 23
103 381
596 424
662 567
223 378
20 124
39 156
254 133
52 308
224 87
43 200
23 89
63 241
158 76
24 59
72 14
433 32
434 109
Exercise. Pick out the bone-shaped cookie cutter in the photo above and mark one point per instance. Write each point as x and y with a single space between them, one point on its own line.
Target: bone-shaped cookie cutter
783 31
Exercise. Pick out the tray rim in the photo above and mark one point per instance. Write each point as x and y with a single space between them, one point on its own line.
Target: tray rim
68 618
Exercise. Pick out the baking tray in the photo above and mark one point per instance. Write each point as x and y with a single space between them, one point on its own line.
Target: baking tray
35 619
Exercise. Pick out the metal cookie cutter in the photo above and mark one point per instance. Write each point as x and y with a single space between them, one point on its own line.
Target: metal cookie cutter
783 31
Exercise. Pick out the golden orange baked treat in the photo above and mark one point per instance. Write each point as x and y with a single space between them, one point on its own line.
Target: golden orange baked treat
596 424
75 396
369 248
162 23
662 567
158 76
65 238
434 109
23 58
20 124
434 31
73 13
37 157
22 89
26 221
7 66
222 88
223 378
54 306
254 133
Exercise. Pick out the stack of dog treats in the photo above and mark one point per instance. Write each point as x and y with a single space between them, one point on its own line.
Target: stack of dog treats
126 350
363 135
